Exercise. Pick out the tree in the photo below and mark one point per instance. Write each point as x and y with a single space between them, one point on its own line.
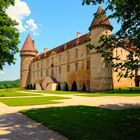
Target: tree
128 14
9 35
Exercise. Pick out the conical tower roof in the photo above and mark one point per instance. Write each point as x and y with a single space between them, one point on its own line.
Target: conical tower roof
100 19
28 44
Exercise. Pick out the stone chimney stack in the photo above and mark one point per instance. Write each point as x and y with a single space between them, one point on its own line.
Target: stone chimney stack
45 50
78 34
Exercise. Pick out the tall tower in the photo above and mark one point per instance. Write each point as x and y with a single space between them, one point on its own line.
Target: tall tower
27 53
101 71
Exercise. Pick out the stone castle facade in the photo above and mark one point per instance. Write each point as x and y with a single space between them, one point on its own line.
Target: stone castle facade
72 63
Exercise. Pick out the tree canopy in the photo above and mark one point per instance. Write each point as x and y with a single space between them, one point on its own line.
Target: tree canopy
126 12
9 35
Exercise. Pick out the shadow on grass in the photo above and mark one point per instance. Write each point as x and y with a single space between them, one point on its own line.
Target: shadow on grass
90 123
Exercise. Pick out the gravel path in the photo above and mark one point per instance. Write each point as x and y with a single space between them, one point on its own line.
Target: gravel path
15 126
18 127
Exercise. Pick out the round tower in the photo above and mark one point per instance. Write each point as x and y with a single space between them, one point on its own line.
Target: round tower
101 71
27 53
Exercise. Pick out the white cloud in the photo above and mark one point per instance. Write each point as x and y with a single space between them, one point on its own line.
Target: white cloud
19 12
32 26
2 73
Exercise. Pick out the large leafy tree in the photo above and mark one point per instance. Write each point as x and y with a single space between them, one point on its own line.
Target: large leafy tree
127 13
9 35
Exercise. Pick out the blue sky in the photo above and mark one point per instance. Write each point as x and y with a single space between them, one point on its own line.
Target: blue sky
50 23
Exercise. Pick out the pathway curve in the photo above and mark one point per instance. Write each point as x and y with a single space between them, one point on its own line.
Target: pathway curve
15 126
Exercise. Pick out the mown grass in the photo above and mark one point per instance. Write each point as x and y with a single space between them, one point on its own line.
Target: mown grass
31 101
54 92
116 92
90 123
14 92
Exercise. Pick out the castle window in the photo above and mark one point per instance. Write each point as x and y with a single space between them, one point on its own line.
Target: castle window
47 62
121 52
68 56
52 72
59 70
60 58
106 65
41 74
116 52
41 63
76 66
46 72
37 65
52 60
87 50
68 68
76 53
88 64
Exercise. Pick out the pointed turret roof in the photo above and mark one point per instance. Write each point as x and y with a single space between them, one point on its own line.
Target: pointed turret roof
28 44
100 19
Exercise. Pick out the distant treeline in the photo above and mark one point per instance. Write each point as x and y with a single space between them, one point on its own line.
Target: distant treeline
9 84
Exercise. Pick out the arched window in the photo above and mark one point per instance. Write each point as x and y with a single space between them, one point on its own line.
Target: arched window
74 86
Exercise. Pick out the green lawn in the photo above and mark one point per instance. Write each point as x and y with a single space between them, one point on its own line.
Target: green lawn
116 92
12 93
108 94
90 123
30 101
54 92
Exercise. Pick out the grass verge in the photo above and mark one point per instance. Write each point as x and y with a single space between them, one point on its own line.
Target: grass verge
13 93
31 101
54 92
135 91
90 123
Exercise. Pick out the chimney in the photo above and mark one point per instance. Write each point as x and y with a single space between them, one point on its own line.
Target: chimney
33 42
78 34
45 50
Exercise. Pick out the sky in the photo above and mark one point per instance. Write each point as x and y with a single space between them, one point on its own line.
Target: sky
50 23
